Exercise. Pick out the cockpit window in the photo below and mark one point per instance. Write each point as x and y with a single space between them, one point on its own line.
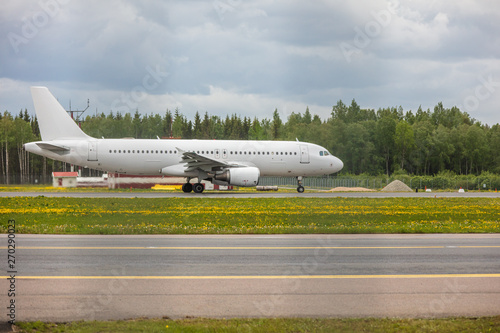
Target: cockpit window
321 153
324 153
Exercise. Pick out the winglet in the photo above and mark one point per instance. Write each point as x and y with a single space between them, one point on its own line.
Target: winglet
53 120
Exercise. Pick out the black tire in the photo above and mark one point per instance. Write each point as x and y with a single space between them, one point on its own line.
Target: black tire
300 189
187 188
198 188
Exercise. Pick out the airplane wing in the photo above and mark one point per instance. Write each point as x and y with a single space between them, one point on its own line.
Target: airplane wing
195 161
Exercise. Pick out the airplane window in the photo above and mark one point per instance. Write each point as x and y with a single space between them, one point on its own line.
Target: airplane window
119 151
128 151
147 151
175 151
170 152
161 151
267 153
254 153
286 153
157 151
212 152
198 152
281 153
295 153
110 151
241 153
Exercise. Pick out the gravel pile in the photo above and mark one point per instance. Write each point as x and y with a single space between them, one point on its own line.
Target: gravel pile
397 186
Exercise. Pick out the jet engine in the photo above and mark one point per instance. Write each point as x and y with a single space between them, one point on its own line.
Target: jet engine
245 176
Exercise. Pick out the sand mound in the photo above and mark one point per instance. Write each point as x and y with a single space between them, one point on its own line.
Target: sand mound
350 189
397 186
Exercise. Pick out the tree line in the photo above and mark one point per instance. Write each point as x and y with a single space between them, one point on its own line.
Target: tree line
368 141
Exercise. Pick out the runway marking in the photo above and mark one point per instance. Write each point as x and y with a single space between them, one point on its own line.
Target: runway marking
245 247
260 277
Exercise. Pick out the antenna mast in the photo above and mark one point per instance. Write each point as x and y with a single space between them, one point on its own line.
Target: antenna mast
79 113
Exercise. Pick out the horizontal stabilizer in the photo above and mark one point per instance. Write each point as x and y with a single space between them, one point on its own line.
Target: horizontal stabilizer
52 147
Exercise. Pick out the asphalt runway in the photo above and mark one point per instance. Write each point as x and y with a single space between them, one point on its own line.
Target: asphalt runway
244 194
73 277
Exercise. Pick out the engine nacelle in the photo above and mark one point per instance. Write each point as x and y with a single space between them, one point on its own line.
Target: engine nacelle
246 176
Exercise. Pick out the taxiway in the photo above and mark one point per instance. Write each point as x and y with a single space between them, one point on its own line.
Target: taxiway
71 277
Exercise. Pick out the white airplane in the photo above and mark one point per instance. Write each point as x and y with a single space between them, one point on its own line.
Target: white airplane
222 162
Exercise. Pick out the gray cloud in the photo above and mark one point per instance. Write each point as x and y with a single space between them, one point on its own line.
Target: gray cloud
284 54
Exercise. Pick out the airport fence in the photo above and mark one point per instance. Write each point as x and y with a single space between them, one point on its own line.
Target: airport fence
323 182
486 181
470 183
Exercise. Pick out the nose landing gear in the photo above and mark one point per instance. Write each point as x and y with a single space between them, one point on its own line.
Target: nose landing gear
300 188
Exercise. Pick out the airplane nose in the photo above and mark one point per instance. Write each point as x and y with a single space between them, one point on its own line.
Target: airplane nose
337 164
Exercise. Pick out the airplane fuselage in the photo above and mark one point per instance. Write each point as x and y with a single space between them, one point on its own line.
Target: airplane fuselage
150 157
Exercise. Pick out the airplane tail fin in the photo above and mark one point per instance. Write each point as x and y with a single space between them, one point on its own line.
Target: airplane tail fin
53 120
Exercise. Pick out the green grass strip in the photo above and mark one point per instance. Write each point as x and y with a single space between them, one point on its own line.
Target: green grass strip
45 215
483 324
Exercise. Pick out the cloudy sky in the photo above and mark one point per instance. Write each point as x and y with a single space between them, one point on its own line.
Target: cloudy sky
250 57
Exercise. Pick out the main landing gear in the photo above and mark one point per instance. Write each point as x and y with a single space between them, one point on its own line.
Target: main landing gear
196 188
187 188
300 188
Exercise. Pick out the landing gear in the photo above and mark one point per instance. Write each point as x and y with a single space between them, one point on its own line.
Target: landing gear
187 188
198 188
300 188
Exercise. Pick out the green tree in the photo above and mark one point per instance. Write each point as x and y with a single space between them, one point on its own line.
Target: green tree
7 140
167 124
385 131
493 144
339 111
442 149
475 148
421 155
197 132
404 140
276 125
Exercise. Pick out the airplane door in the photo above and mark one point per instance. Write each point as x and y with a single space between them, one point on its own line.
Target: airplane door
92 151
304 154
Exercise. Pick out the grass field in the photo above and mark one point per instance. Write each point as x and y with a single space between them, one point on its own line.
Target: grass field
44 215
485 324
